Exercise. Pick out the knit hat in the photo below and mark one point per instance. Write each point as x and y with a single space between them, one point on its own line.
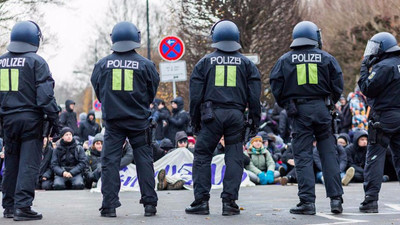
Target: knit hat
98 137
256 138
191 140
65 130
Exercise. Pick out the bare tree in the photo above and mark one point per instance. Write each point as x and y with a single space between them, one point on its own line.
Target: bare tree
265 26
347 26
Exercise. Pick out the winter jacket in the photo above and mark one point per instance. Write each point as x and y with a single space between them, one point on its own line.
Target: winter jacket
356 155
68 118
68 157
179 121
89 127
260 161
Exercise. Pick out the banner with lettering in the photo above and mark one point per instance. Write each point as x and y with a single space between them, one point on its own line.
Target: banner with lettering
178 166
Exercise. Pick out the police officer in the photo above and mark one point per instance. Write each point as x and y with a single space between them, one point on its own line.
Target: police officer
26 95
304 81
222 84
380 82
126 83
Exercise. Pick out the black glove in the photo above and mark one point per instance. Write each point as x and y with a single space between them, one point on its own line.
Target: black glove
369 61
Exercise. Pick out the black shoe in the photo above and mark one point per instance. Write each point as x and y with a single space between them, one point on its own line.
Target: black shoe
8 213
25 214
336 205
150 210
369 205
108 212
230 208
305 208
198 207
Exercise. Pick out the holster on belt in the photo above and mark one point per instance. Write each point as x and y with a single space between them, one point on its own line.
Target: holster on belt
291 108
207 112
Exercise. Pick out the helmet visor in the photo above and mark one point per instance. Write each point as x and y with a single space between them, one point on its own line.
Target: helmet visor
372 48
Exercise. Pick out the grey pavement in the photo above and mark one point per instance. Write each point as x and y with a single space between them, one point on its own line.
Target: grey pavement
261 205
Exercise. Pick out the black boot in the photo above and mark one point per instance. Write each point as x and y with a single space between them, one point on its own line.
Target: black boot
25 214
305 208
369 205
150 210
230 208
199 207
336 204
8 213
108 212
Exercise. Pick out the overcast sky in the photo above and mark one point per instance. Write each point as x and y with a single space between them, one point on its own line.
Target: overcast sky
73 24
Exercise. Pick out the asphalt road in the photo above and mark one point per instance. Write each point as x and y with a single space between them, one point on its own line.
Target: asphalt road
261 205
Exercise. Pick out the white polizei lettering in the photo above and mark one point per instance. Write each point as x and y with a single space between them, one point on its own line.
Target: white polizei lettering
398 68
128 64
305 58
12 62
226 60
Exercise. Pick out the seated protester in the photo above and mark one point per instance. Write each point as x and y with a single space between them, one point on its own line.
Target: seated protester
92 175
46 175
343 139
288 160
93 172
68 162
191 143
220 149
261 163
173 182
181 140
159 151
356 154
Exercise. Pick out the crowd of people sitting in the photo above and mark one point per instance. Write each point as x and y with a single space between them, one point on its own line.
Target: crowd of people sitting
74 160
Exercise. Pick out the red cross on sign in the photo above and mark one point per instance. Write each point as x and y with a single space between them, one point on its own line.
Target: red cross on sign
171 48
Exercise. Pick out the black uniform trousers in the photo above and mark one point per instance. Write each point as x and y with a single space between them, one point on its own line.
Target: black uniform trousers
114 138
314 119
23 152
230 123
375 162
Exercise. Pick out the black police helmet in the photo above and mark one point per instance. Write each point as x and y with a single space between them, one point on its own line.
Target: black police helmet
125 37
225 36
306 33
25 37
380 43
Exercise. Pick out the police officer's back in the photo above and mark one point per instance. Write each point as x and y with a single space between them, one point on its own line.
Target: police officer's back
303 81
222 84
380 82
26 94
126 83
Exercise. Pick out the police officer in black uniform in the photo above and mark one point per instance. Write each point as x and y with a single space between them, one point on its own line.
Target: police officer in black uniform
380 82
126 83
306 81
26 95
222 84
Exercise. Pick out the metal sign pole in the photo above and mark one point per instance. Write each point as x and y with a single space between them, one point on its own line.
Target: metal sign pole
174 88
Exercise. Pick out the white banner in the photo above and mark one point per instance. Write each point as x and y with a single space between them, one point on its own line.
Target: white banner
178 165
